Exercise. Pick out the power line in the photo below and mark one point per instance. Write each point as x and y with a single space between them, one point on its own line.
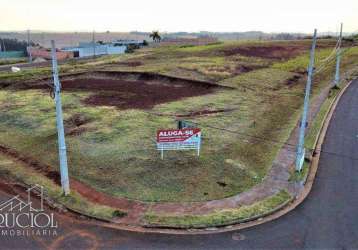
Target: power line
289 146
334 51
273 141
333 58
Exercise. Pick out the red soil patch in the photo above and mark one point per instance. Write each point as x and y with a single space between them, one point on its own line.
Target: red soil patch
267 52
132 94
74 125
137 94
129 90
44 169
131 63
204 112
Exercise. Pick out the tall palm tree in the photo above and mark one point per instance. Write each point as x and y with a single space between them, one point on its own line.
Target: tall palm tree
155 36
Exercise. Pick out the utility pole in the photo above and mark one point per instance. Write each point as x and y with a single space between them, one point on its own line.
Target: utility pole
94 45
300 156
29 46
2 45
59 120
338 59
43 39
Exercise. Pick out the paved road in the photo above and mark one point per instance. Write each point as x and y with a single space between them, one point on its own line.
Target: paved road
328 219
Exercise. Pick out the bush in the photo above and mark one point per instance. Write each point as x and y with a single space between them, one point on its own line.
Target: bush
131 48
119 214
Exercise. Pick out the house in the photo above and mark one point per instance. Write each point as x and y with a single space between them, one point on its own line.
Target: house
46 53
90 49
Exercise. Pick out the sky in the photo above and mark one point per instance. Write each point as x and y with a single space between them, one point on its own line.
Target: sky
184 15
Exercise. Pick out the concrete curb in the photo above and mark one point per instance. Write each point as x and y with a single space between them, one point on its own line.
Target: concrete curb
231 223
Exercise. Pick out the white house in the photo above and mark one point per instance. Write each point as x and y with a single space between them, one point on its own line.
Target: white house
87 49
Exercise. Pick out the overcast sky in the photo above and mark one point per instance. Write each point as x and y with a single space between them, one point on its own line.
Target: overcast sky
181 15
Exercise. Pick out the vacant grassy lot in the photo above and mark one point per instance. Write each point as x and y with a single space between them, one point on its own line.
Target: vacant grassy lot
112 148
6 61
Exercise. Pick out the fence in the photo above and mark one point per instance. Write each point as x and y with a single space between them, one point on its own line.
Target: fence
12 54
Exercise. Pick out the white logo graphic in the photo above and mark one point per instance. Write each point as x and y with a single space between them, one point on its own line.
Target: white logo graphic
26 217
18 204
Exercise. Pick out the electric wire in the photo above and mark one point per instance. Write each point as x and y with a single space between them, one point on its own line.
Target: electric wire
324 65
272 141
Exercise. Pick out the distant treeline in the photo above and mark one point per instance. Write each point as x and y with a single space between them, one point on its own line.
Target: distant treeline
8 44
249 35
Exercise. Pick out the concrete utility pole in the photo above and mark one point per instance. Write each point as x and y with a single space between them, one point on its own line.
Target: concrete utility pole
29 46
94 45
43 39
338 60
59 120
300 156
3 46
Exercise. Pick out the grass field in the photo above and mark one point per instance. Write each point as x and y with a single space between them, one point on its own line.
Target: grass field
113 149
7 61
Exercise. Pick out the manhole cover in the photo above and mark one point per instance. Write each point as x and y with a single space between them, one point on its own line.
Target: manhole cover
237 236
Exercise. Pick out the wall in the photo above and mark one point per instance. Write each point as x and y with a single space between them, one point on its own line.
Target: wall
100 50
12 54
46 54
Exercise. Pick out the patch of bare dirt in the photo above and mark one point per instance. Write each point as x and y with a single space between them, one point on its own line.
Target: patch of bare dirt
131 63
131 90
296 78
34 164
77 120
204 112
267 52
240 69
75 125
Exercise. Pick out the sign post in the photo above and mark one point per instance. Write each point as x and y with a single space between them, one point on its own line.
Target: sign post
179 139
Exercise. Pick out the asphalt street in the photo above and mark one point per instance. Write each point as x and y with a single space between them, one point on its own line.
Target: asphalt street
327 219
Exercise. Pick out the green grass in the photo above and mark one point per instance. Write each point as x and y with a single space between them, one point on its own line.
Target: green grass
221 217
296 176
314 132
300 63
18 172
9 61
319 120
116 152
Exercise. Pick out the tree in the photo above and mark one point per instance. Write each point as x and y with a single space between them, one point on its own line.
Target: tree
15 45
155 36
